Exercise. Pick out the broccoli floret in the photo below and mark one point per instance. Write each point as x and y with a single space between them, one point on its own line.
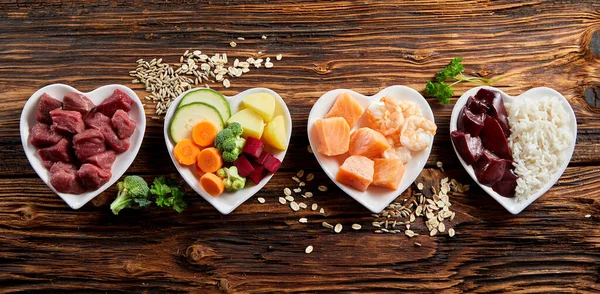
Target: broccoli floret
231 178
229 142
133 193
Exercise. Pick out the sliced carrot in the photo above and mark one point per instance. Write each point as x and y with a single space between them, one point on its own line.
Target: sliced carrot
209 160
204 133
186 152
212 184
198 170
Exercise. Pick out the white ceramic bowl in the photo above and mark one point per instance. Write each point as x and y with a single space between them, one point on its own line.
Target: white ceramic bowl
123 160
513 205
227 202
374 198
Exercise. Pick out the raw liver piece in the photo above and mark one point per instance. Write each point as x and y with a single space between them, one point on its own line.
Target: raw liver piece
103 160
493 138
112 140
476 106
46 104
505 188
494 101
118 100
123 124
469 148
92 177
63 178
88 143
489 169
67 121
357 172
78 102
42 135
97 120
61 151
469 122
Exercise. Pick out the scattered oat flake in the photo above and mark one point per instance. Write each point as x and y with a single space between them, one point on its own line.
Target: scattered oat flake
241 38
308 249
314 206
356 227
322 211
327 225
282 200
264 37
278 57
420 186
310 177
289 198
233 44
261 200
338 228
308 194
417 244
433 232
322 188
294 206
287 191
451 232
303 220
588 216
302 205
300 173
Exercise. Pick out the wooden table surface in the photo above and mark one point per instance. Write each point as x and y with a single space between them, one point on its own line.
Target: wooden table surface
365 46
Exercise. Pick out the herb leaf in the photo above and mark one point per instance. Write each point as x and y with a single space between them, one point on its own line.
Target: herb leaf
452 70
162 187
441 91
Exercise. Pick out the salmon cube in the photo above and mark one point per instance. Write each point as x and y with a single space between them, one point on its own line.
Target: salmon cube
388 173
333 136
346 107
356 172
368 142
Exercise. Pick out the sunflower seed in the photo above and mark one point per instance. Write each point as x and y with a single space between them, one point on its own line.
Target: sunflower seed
310 177
300 173
451 232
289 198
287 191
308 249
261 200
303 220
338 228
282 200
322 188
356 227
294 206
327 225
314 206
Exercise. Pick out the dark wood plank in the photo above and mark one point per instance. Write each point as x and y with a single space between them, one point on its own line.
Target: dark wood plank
367 46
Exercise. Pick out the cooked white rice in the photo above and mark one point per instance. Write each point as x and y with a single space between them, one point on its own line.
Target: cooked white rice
539 134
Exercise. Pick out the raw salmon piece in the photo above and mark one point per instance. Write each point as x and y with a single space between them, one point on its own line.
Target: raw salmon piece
368 142
346 107
388 172
333 136
356 172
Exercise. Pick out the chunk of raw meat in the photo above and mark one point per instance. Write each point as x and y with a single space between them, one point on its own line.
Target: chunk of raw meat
92 177
113 141
123 124
78 102
63 178
118 100
97 120
47 104
67 121
103 160
88 143
61 151
42 135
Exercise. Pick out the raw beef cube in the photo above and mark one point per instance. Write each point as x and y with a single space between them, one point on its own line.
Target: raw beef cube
118 100
63 178
67 121
97 120
92 177
61 151
88 143
42 135
47 104
78 102
103 160
113 141
123 124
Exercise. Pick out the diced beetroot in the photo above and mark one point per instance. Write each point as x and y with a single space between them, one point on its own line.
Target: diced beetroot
243 165
253 147
47 104
261 159
118 100
271 163
469 148
259 173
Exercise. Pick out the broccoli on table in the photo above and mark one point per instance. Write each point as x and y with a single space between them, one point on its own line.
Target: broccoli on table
231 178
229 142
133 193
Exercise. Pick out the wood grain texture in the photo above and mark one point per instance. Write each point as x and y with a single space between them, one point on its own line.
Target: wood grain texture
365 46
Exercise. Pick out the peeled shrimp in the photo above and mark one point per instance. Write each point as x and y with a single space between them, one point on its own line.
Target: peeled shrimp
417 133
385 116
410 109
400 152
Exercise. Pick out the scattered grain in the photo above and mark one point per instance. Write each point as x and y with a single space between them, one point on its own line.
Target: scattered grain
279 56
289 198
294 206
302 205
296 179
322 188
587 215
233 44
433 232
261 200
451 232
327 225
308 249
417 244
356 227
308 194
314 206
338 228
303 220
264 37
297 190
282 200
287 191
420 186
409 233
322 211
300 173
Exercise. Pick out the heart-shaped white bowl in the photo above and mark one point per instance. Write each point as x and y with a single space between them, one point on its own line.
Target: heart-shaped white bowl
227 202
123 160
514 205
375 198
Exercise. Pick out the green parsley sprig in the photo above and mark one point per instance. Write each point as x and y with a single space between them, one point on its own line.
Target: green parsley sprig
163 187
454 70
